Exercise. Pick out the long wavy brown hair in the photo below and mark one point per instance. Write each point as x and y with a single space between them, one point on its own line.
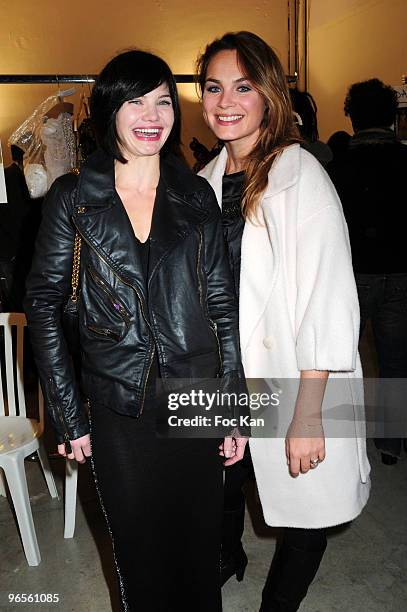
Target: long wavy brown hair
261 66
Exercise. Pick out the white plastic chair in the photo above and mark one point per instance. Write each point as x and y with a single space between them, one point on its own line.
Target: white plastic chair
20 437
71 484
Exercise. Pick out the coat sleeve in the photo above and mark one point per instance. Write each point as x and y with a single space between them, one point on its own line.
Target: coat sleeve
327 309
47 289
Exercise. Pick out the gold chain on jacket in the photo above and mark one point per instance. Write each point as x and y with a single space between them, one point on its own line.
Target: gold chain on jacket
76 264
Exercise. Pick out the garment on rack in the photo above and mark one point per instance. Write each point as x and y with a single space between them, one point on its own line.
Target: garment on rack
86 139
59 154
36 179
48 145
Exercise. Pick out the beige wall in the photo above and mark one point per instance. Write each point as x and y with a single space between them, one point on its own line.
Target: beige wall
350 41
79 36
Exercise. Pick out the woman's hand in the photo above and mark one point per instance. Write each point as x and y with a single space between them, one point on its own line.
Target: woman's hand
80 449
305 439
232 449
304 447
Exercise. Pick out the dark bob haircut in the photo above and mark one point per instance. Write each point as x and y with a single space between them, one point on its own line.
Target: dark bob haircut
371 104
130 75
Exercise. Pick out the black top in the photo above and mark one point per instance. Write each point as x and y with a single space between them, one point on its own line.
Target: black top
232 220
144 250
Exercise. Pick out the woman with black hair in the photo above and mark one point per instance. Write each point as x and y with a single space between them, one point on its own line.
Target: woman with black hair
156 300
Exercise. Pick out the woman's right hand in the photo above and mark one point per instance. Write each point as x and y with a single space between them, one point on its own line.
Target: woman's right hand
233 449
80 449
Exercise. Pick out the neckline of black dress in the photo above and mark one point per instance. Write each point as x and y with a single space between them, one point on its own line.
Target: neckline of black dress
234 175
146 241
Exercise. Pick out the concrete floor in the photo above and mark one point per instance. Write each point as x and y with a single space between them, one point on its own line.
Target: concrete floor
364 568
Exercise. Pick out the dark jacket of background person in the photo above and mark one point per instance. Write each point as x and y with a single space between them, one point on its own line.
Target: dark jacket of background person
338 142
13 212
370 180
17 236
188 311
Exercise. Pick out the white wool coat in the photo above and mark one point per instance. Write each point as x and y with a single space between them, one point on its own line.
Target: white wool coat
299 311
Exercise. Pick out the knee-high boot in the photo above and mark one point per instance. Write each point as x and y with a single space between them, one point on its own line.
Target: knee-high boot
233 557
294 567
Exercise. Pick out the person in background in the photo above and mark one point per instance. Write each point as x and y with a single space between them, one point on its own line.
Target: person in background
13 216
370 180
299 316
338 142
156 302
305 110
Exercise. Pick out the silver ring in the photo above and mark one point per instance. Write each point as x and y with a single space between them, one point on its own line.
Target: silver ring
314 462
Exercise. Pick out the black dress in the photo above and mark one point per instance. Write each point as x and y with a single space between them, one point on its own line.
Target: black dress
232 220
237 474
162 499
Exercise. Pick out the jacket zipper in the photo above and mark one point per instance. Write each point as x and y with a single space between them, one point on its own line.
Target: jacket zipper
214 328
212 324
141 306
103 331
117 305
198 268
68 448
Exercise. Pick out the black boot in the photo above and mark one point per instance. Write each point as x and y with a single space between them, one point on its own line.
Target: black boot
233 557
294 566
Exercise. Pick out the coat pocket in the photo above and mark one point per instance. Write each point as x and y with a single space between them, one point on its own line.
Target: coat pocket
105 314
108 293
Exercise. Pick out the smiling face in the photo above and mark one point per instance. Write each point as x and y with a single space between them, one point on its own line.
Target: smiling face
232 108
144 124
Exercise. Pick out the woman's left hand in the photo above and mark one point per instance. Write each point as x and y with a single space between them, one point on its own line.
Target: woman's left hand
304 451
232 449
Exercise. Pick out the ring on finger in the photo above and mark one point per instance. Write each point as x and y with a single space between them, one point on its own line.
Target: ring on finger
314 462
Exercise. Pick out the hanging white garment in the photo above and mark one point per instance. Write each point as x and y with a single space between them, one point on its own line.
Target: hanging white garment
48 145
58 139
36 179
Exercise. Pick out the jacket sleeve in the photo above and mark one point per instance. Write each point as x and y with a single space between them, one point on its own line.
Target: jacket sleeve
47 289
327 310
223 307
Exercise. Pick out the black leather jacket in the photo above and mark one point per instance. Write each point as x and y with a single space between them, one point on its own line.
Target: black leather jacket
188 314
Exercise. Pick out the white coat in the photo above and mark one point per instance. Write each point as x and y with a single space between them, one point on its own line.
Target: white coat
299 311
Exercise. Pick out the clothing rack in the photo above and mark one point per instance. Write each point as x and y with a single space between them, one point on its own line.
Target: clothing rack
26 79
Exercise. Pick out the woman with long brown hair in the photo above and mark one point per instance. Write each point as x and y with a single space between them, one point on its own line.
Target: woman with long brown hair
299 317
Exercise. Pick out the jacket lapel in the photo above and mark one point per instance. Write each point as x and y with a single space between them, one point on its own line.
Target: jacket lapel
214 171
259 266
102 219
